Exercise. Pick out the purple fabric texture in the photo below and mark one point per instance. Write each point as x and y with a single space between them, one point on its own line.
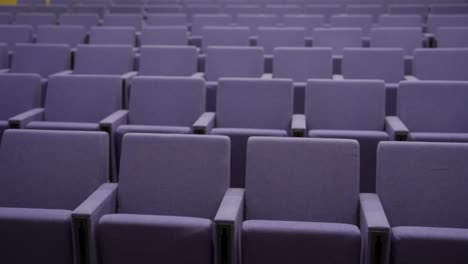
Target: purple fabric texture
300 64
11 34
125 238
197 166
315 189
78 162
112 35
434 109
164 35
363 22
272 37
308 22
168 60
43 59
70 35
35 19
166 19
299 242
201 20
452 37
434 21
4 59
407 38
429 245
233 62
253 21
123 20
82 98
224 36
85 20
373 63
338 38
441 64
423 184
103 59
400 20
19 93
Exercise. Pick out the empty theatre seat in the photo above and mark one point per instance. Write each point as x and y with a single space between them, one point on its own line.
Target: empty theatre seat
43 59
112 35
46 176
418 9
326 9
4 58
201 20
434 21
125 9
249 107
35 19
123 20
337 38
164 35
302 202
85 20
55 8
407 38
225 36
253 21
335 109
98 9
167 19
151 210
308 22
365 9
162 105
103 59
441 64
391 20
163 8
363 22
449 8
430 180
225 61
5 18
69 35
433 110
168 60
272 37
301 64
12 34
452 37
18 93
282 9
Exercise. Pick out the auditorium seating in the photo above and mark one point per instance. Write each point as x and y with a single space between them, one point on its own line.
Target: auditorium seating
123 20
167 19
112 35
201 20
440 64
69 35
224 36
391 20
168 60
4 58
164 35
35 19
47 176
12 34
80 19
103 59
452 37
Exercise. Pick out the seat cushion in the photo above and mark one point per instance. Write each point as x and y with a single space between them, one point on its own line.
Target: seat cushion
35 236
49 125
299 242
127 238
429 245
438 137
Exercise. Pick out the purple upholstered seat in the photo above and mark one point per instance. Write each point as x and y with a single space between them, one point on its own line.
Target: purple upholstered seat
337 38
452 37
441 64
406 38
308 22
253 21
408 9
35 19
302 200
12 34
272 37
103 59
46 175
168 60
85 20
70 35
224 36
422 187
201 20
119 35
434 21
434 110
363 22
123 20
4 57
167 19
400 20
164 35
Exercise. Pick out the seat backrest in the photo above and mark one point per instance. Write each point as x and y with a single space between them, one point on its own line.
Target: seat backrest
103 59
123 20
391 20
300 64
254 103
164 35
5 18
272 37
57 9
225 36
51 169
308 22
338 38
281 9
345 104
434 21
225 61
253 21
412 9
450 8
373 63
452 37
303 179
35 19
179 175
98 9
201 20
43 59
423 184
326 9
125 9
163 8
168 60
166 101
166 19
19 93
4 57
441 64
433 106
407 38
85 20
363 22
85 98
202 8
365 9
242 8
70 35
112 35
12 34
